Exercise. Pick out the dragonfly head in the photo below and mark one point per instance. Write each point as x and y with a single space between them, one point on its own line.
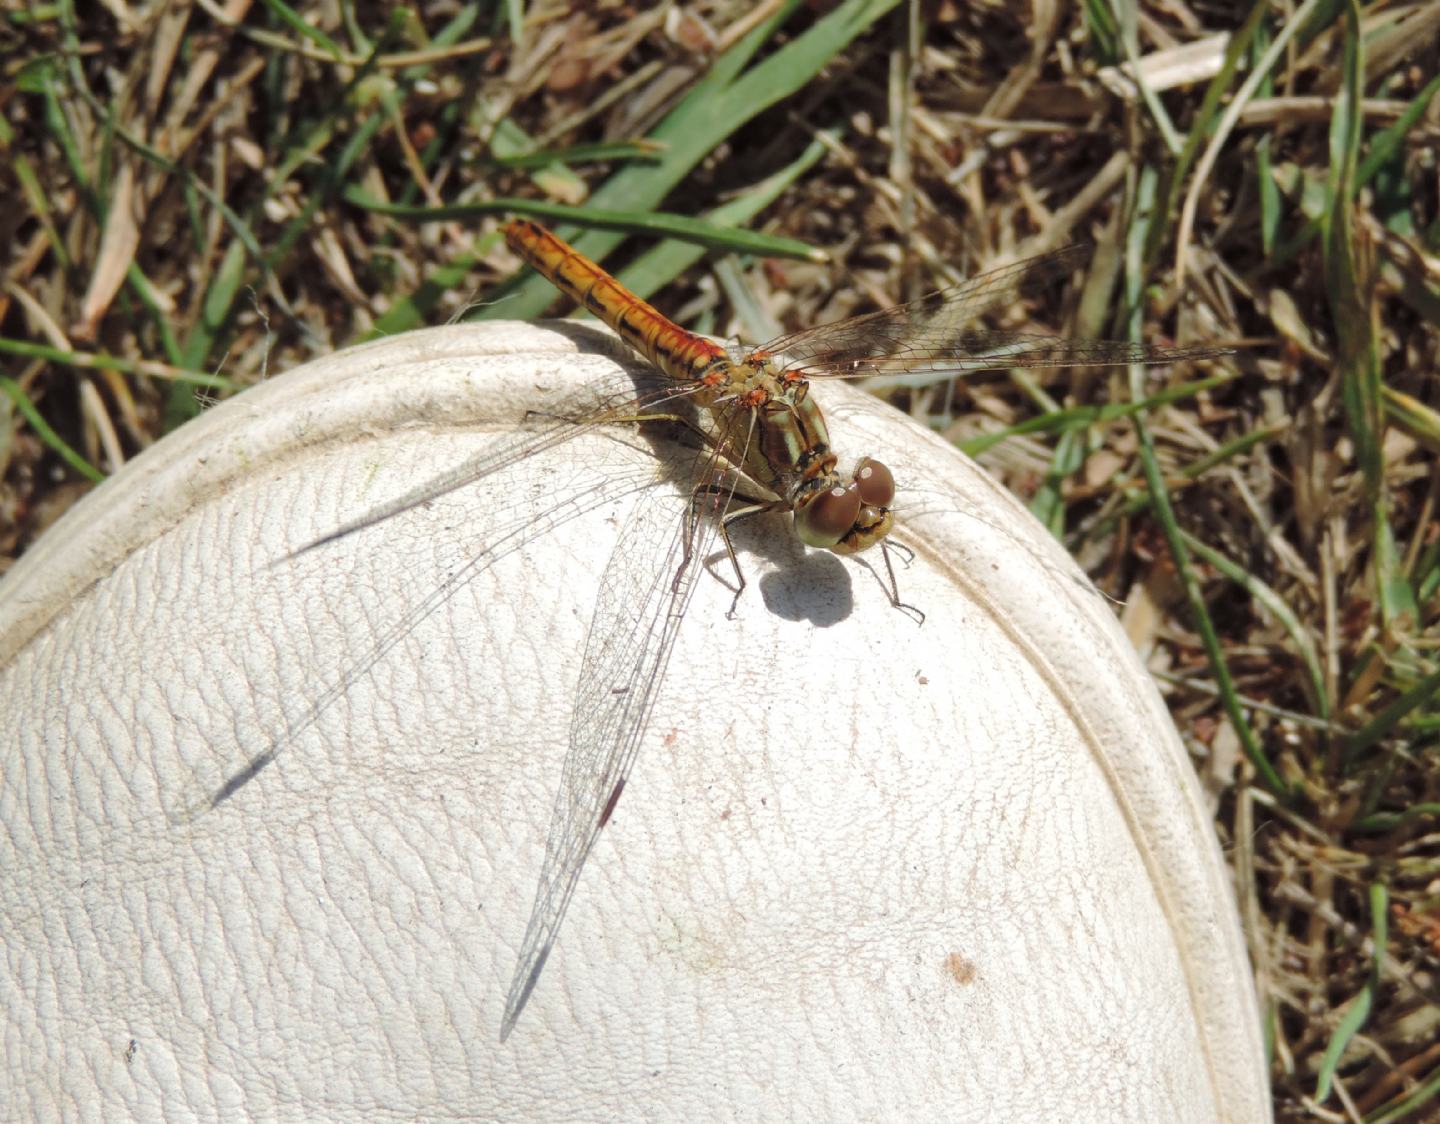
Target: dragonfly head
848 518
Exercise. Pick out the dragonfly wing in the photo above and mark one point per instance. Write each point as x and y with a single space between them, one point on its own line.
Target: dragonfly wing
936 315
627 400
988 351
644 592
624 400
935 332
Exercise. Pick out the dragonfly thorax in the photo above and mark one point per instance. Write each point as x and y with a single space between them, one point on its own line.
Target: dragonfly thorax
788 450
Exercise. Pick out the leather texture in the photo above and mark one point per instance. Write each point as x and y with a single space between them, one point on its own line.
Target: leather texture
864 868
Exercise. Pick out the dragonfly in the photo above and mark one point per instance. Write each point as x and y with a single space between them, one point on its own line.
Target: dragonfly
761 447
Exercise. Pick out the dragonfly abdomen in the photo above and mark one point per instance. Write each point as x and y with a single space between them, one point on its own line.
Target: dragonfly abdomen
680 354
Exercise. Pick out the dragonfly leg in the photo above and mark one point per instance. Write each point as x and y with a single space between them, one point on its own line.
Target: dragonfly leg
906 554
757 507
892 591
753 506
692 524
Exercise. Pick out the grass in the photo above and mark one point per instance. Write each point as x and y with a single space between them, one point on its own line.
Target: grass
196 204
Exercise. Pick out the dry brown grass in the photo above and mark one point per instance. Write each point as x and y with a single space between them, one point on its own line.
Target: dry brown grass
1303 487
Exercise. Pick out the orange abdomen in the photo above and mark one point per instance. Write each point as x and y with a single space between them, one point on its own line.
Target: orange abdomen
680 354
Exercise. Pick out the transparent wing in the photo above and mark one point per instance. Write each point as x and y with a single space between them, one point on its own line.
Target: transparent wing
612 404
934 333
623 406
644 593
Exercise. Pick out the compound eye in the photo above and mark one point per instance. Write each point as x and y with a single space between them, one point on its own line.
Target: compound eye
875 483
826 519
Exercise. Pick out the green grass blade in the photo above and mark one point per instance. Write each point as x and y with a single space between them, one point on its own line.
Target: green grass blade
1104 31
1266 189
1359 1011
1387 142
306 30
1165 513
1048 502
1075 417
414 310
35 195
1408 1107
1389 821
653 223
52 440
1211 107
508 141
1349 286
664 262
1390 717
577 154
1386 146
214 312
686 239
98 360
718 105
1126 17
230 277
1299 631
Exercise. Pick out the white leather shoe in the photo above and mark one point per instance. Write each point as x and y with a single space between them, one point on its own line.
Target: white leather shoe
863 869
